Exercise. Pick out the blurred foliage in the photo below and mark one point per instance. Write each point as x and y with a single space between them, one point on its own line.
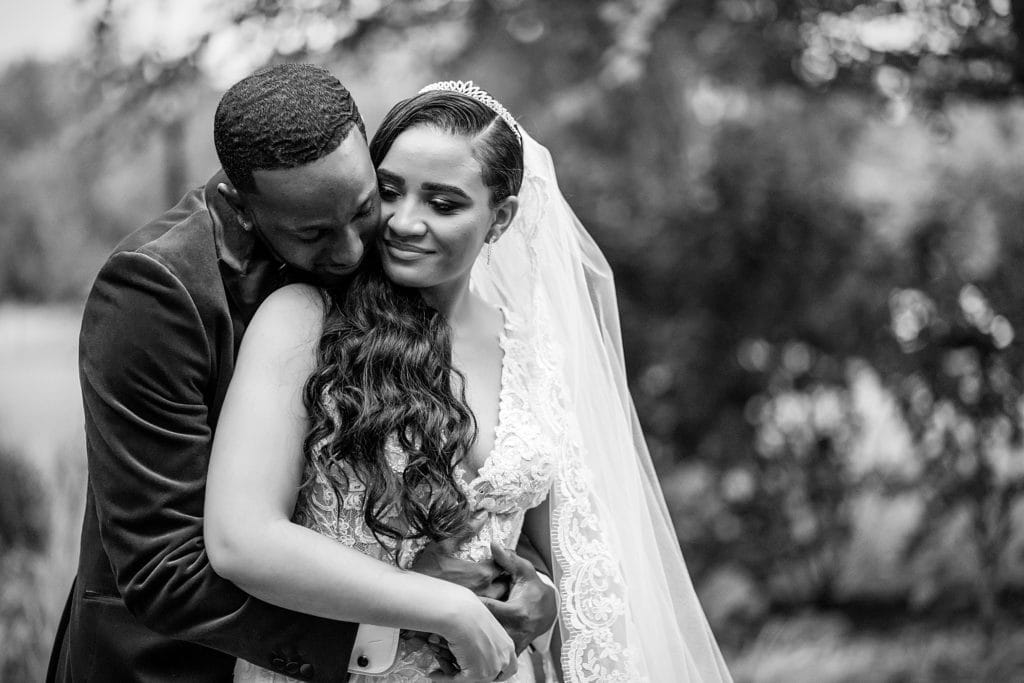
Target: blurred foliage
23 618
24 536
818 648
23 514
790 191
40 517
959 379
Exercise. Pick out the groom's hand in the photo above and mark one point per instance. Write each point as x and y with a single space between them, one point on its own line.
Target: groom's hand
485 578
531 607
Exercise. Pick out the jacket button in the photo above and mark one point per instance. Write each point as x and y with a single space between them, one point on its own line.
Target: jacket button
306 670
292 667
363 661
277 663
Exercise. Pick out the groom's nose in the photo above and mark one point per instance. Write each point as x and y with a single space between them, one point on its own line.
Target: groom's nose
347 247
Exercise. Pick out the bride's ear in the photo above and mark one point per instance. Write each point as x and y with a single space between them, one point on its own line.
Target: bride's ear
502 215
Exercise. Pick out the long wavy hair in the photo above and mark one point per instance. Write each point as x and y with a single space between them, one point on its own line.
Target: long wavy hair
384 364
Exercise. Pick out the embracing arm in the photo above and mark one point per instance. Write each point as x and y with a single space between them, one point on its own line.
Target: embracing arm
537 529
537 533
146 368
255 471
532 604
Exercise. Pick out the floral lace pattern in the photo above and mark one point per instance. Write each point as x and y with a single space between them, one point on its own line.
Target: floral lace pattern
595 623
599 641
515 476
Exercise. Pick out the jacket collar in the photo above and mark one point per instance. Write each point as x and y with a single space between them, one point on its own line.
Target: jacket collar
250 273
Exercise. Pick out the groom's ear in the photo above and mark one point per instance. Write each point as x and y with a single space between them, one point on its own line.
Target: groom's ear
233 197
503 213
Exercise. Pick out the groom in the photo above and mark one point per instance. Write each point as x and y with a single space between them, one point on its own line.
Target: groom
160 332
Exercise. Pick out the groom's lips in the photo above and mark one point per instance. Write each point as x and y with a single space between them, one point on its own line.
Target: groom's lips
338 270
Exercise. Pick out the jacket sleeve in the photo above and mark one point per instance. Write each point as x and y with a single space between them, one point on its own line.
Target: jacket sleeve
146 368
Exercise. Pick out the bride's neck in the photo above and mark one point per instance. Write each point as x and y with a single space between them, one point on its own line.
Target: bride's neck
452 299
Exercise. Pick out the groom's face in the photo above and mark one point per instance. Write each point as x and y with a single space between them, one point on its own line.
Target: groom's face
320 217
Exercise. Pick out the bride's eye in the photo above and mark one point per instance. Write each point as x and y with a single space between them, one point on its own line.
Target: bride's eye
443 207
387 193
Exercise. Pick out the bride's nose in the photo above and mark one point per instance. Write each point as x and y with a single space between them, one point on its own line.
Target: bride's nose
406 221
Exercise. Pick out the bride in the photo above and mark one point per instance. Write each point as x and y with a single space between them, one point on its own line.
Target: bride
472 373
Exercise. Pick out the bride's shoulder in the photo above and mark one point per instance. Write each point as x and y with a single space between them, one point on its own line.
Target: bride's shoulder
292 314
294 302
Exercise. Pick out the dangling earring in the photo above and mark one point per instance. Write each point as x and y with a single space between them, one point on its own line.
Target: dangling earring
489 245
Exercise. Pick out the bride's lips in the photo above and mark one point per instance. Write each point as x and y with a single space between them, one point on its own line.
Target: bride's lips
404 251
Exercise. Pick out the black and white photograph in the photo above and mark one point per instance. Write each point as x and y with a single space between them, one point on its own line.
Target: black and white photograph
512 340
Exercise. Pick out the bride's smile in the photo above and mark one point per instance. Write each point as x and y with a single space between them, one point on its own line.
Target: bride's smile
437 212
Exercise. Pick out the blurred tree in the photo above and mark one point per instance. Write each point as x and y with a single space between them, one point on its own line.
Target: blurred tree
695 141
23 510
959 378
30 115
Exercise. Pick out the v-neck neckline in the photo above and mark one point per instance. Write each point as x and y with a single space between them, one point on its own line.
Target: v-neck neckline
461 470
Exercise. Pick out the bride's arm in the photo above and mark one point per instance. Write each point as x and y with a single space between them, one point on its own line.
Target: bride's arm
255 470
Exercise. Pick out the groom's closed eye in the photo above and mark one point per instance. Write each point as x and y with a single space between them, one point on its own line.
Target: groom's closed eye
311 236
367 207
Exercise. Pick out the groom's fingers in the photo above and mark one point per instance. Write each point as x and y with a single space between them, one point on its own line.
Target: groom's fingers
450 545
508 560
437 560
476 523
442 653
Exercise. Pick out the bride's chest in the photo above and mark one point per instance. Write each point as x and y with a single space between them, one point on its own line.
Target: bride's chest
482 373
513 474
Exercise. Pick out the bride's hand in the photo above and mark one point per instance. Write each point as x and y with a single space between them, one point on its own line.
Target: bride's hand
481 647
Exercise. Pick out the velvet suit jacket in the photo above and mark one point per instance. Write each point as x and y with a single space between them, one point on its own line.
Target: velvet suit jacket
160 333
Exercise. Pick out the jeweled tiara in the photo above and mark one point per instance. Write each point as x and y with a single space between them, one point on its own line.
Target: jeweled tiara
469 90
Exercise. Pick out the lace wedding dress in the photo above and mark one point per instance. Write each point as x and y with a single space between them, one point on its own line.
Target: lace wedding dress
627 609
516 476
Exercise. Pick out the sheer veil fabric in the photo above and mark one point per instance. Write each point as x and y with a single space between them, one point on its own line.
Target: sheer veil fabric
627 607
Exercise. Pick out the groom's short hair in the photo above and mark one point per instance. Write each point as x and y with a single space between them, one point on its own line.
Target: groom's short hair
281 117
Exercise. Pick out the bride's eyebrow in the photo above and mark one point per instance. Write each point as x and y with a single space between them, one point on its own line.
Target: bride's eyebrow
441 187
384 174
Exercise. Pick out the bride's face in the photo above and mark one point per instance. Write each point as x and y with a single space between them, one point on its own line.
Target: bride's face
435 209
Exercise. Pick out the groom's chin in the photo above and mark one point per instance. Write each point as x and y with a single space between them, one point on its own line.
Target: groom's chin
329 280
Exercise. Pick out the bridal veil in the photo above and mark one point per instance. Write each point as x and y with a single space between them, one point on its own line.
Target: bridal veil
627 607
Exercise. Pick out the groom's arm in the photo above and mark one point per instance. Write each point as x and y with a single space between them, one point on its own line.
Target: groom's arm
146 373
